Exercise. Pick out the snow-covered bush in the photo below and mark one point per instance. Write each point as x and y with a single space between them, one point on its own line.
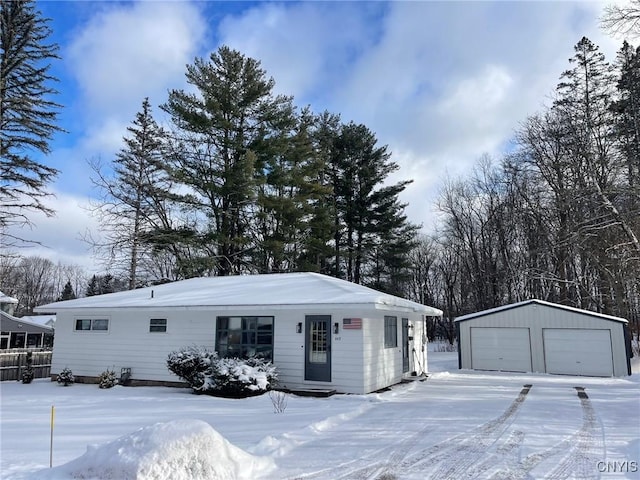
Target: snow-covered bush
65 377
28 373
107 379
192 364
225 377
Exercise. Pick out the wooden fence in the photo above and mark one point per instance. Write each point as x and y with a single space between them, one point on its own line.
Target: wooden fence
14 361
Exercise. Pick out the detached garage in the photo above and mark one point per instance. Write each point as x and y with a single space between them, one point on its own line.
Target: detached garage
538 336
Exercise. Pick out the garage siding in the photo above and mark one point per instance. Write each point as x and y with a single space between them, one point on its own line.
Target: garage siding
537 316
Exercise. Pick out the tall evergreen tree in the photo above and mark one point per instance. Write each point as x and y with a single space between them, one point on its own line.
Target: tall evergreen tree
627 111
101 284
27 112
369 217
281 203
219 131
67 292
133 207
93 287
316 252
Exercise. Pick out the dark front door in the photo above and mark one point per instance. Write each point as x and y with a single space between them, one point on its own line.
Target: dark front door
405 344
317 364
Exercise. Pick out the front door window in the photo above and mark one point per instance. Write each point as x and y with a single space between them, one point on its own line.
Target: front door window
318 342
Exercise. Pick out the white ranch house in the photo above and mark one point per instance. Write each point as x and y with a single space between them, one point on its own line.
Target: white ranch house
321 332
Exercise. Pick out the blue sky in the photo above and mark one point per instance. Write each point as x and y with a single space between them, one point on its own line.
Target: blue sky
440 83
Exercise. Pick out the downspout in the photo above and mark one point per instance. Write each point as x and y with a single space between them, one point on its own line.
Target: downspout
458 340
627 346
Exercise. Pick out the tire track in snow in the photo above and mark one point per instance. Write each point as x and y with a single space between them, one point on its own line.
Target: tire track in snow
465 451
400 461
370 466
581 460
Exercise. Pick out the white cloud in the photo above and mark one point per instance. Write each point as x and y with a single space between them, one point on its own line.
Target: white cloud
308 47
127 52
440 82
122 54
60 235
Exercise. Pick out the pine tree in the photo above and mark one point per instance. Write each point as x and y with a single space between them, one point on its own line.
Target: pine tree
371 229
67 292
585 98
93 288
132 211
280 202
27 113
316 251
101 284
223 131
627 111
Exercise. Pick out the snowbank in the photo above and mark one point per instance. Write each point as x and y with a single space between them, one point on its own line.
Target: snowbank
177 450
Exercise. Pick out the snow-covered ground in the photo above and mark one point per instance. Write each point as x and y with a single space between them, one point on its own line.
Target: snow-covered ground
455 425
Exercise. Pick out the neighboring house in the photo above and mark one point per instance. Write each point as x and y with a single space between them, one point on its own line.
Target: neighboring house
46 320
22 333
321 332
7 304
538 336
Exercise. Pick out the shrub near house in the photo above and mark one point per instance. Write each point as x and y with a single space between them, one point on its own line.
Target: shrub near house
206 373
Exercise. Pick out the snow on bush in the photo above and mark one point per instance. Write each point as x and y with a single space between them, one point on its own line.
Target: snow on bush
65 377
176 450
107 379
28 373
227 377
192 364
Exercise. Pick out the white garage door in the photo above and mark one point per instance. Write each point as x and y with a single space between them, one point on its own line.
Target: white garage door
572 351
504 349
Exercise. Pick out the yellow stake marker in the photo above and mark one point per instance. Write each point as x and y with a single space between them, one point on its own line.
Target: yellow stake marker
53 409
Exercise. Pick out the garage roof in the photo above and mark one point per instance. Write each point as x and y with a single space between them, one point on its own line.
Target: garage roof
245 290
539 302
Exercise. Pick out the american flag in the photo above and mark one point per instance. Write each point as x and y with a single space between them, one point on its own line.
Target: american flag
352 323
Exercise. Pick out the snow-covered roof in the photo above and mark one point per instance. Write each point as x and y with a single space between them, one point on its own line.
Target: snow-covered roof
7 299
278 289
46 320
539 302
23 320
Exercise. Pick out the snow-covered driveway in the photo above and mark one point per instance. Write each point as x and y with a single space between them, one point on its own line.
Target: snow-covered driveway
454 425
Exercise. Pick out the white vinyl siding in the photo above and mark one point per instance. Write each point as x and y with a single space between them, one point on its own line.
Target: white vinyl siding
359 361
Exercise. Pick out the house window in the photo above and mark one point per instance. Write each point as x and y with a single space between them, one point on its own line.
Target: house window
390 332
158 325
245 337
92 324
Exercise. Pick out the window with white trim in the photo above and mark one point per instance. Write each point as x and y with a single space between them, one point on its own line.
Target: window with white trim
158 325
92 324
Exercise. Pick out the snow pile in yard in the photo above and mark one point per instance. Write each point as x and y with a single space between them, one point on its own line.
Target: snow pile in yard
177 450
